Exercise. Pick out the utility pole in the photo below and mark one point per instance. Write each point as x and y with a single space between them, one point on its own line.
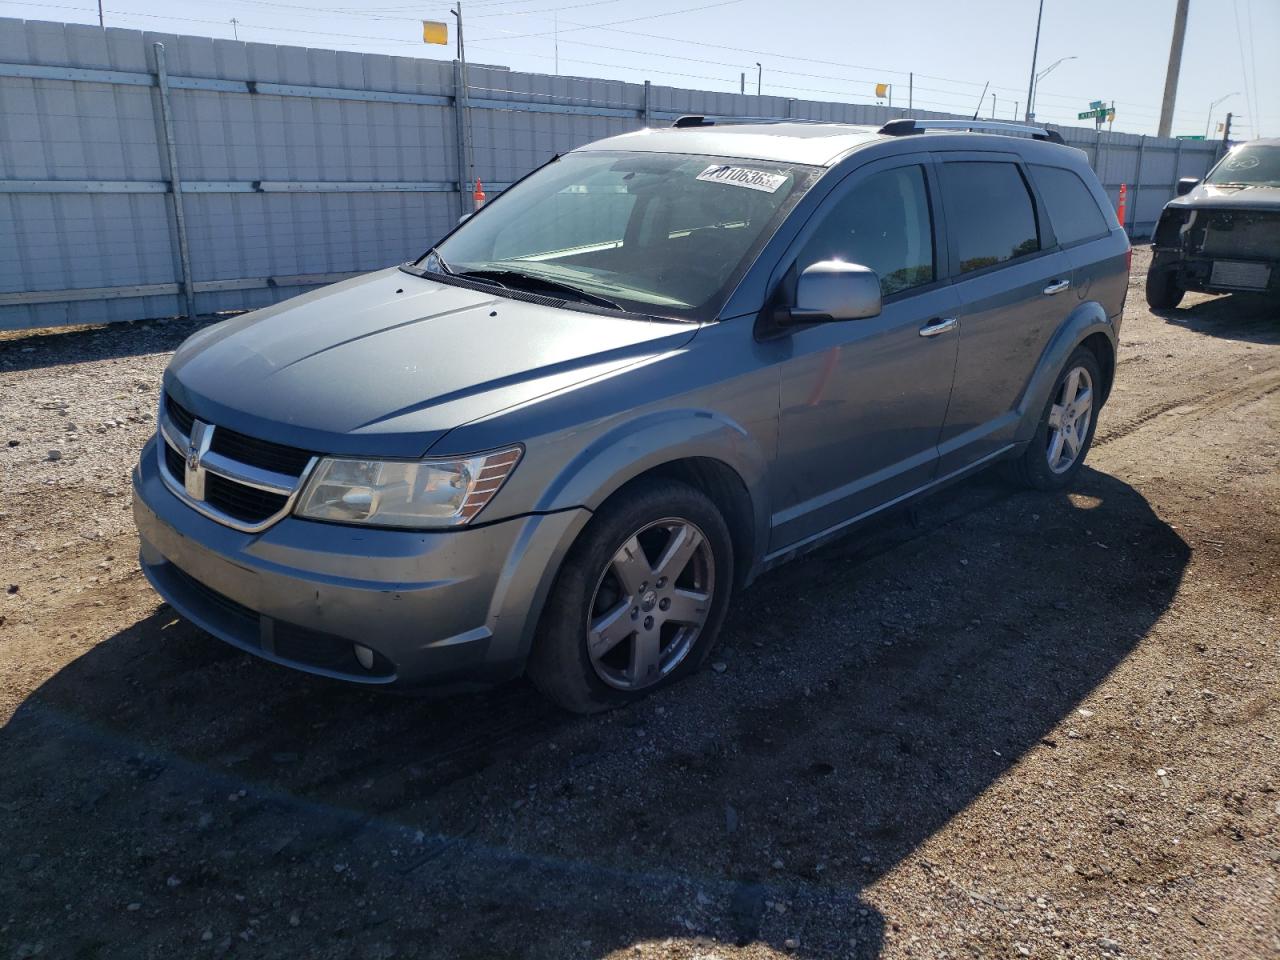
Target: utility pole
993 106
466 167
462 51
742 82
1175 65
1015 109
1035 51
100 21
557 42
759 77
911 91
1226 132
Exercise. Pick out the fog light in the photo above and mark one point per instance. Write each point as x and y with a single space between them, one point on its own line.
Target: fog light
364 655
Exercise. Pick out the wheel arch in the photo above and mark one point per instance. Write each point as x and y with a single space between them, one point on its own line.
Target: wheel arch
1105 352
1087 325
700 448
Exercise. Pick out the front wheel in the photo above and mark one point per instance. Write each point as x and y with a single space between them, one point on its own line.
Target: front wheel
1056 453
1163 290
639 600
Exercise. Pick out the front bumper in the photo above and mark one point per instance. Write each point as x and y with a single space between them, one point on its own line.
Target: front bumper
447 607
1197 272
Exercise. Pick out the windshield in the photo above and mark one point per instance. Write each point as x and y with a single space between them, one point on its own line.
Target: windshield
657 234
1257 165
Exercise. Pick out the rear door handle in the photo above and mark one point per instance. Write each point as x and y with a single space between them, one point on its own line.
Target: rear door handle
939 325
1056 287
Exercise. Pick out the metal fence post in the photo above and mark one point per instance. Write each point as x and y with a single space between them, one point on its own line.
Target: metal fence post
1137 184
463 125
648 104
175 179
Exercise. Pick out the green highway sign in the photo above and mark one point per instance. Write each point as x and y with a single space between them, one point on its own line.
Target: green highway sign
1189 136
1095 105
1097 113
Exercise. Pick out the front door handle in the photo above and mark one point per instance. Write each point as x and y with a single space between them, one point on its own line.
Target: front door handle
939 325
1056 287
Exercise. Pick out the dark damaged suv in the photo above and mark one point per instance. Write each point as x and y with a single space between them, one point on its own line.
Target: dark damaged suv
1222 235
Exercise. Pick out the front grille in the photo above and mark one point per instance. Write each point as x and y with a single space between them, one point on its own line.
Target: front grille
260 453
1239 234
229 501
174 461
180 415
246 504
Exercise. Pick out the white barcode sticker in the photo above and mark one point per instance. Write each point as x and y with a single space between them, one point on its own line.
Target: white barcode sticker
743 177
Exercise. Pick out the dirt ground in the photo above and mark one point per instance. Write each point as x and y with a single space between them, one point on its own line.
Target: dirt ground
1003 724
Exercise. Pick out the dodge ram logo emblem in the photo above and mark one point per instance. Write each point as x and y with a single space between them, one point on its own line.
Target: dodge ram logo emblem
193 479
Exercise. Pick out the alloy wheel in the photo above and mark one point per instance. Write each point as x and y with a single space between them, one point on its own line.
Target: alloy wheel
1069 420
650 603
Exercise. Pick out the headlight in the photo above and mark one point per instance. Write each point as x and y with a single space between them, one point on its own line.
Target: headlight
405 493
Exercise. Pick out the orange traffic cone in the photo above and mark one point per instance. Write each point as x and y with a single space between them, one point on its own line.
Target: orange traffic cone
478 194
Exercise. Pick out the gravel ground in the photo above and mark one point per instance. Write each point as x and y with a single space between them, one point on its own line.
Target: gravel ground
1002 724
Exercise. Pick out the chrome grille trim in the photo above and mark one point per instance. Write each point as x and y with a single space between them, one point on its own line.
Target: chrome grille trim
169 434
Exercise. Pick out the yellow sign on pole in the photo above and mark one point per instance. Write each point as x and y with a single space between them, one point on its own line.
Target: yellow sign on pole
433 31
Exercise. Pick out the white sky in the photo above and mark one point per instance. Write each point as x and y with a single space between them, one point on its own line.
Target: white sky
810 49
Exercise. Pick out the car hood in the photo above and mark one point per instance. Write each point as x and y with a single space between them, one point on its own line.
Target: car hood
385 364
1230 198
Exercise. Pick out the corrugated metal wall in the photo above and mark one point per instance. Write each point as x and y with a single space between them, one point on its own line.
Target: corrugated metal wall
299 166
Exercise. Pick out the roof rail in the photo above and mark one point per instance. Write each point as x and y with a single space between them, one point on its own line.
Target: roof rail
695 120
908 126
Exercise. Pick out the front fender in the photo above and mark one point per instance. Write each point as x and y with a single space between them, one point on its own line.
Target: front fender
638 446
602 468
1083 322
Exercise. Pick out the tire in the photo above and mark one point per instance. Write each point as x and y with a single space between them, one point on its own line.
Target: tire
1038 467
613 629
1163 290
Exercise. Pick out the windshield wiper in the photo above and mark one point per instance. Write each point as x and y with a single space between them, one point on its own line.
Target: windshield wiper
515 279
442 268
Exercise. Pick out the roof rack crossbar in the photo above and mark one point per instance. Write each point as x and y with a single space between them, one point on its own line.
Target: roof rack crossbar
908 126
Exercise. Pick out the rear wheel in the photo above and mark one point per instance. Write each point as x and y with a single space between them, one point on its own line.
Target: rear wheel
639 600
1164 292
1056 453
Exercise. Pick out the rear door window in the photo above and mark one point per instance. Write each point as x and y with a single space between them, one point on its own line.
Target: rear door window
990 213
1072 209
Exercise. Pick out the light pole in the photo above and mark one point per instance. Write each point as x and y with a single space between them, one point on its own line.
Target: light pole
1211 107
759 77
1035 51
1035 84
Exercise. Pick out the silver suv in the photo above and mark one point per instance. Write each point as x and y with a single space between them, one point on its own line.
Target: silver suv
657 366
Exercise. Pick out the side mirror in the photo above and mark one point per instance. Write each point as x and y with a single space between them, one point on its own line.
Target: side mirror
835 290
1186 185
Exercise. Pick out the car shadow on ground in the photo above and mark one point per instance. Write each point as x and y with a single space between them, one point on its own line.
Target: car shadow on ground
1236 316
181 796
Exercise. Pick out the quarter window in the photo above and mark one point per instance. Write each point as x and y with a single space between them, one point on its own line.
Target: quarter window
989 213
883 223
1072 208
